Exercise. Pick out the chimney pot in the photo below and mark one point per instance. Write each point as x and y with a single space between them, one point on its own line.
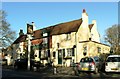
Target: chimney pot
84 11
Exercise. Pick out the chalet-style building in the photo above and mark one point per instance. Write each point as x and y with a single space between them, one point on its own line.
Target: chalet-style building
63 43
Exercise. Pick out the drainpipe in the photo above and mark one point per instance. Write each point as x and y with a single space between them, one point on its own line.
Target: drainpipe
76 45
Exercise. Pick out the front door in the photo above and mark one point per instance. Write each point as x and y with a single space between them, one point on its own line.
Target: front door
59 56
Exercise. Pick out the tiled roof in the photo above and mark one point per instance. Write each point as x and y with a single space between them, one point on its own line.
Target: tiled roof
37 41
67 27
21 38
61 28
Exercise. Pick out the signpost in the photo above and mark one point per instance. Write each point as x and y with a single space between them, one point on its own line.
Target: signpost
29 50
29 37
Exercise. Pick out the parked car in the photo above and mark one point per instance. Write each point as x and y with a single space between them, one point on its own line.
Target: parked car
23 63
112 63
90 64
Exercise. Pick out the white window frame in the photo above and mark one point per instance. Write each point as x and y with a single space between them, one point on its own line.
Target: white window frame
69 52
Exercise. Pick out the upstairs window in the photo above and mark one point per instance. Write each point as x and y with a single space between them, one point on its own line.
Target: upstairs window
99 49
85 49
68 36
45 42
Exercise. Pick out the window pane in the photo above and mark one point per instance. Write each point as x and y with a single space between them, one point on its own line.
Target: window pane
69 52
68 36
113 59
86 60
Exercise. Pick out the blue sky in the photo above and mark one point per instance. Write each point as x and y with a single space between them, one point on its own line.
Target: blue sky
45 14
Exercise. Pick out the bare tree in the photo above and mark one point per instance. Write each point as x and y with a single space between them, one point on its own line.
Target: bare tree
112 36
6 34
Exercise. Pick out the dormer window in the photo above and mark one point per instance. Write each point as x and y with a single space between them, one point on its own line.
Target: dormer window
68 36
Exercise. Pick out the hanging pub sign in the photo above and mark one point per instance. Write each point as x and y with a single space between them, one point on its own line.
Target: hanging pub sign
29 29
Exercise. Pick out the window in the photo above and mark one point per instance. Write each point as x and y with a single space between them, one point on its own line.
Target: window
68 36
99 49
84 50
86 60
69 52
54 54
58 45
113 59
97 59
44 54
45 42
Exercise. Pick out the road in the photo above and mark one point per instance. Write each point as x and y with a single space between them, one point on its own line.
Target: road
24 74
21 74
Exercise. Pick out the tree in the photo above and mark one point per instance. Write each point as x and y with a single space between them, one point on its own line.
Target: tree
112 36
6 34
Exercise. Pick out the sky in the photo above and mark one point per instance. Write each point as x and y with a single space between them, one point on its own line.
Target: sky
45 14
60 0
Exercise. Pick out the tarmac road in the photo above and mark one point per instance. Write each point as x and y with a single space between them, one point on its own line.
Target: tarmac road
24 74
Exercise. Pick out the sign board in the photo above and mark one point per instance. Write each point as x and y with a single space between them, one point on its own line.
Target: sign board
29 29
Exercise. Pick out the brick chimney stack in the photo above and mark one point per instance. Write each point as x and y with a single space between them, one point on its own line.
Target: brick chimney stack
34 28
84 11
21 32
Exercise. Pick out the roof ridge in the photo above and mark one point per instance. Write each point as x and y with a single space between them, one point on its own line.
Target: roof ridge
59 24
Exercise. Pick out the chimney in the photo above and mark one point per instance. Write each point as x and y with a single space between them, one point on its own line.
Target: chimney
85 18
95 23
84 11
34 28
21 32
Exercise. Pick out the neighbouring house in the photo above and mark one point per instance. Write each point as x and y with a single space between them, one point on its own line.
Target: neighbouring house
7 53
19 46
64 43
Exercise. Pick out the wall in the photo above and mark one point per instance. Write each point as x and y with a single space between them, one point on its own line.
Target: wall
63 44
94 33
91 49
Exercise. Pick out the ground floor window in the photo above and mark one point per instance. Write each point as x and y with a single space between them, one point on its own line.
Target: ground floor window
69 52
44 54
